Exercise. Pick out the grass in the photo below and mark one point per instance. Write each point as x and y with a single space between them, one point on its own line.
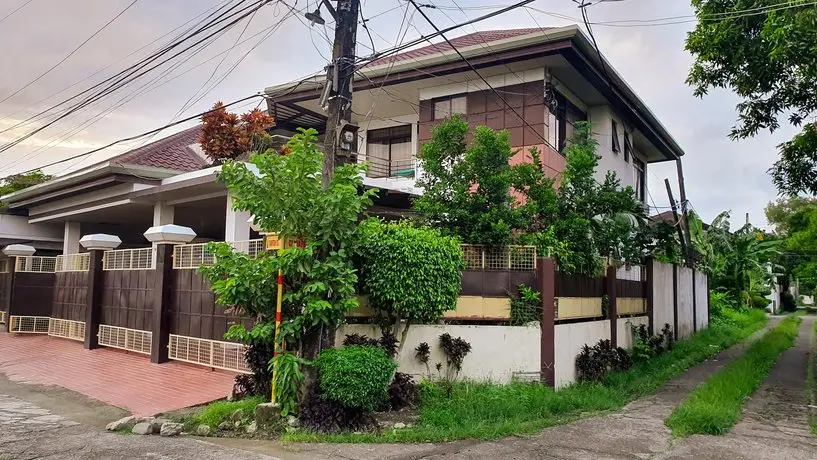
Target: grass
715 406
490 411
215 413
811 384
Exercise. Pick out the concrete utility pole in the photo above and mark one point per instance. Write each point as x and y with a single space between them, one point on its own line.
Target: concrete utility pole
340 74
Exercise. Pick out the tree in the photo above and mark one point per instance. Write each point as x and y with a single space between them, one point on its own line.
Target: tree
226 135
411 275
763 50
17 182
284 194
780 212
466 189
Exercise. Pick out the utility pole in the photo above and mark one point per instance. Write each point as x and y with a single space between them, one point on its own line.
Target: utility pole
674 206
338 94
684 209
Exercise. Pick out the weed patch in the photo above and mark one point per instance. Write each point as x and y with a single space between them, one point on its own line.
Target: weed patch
490 411
220 411
715 406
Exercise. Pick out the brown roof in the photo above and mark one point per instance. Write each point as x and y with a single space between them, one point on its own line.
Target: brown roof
476 38
172 152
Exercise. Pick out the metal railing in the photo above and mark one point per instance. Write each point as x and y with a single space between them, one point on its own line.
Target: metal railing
486 258
123 338
192 256
29 324
73 262
67 329
129 259
381 167
211 353
2 317
35 264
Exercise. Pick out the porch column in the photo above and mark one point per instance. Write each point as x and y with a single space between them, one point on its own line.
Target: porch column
162 214
237 226
70 239
96 245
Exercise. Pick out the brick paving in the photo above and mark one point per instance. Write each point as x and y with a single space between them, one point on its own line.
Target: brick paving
125 380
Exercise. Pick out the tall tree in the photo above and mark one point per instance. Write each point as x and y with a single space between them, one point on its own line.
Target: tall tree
764 51
779 213
19 182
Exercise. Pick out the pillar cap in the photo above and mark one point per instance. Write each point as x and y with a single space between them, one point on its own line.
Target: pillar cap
170 234
19 250
100 241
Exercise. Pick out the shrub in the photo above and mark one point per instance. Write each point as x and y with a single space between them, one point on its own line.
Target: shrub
403 392
410 274
319 413
526 307
646 346
594 362
455 351
357 377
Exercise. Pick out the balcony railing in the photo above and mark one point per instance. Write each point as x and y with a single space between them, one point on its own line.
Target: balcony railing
400 169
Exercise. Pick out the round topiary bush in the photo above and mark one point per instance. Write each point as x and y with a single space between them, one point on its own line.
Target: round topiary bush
357 377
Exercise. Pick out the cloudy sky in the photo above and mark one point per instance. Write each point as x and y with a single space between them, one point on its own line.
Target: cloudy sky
277 47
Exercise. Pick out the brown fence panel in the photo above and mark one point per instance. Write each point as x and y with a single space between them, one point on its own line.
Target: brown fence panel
193 311
5 290
628 288
495 283
70 296
578 286
33 294
128 298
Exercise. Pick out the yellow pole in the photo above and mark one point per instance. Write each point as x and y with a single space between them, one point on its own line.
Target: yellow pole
277 328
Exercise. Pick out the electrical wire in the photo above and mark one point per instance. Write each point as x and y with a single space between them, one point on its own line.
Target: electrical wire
23 5
68 56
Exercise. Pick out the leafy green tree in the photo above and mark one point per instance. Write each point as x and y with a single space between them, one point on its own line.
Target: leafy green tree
763 50
284 194
411 275
17 182
779 213
467 189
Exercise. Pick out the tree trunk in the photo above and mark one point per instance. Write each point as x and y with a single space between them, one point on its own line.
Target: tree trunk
310 347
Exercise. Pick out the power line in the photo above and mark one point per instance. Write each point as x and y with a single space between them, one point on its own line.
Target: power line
69 54
23 5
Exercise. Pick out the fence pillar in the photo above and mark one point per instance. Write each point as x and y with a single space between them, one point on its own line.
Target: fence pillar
675 301
612 311
160 330
93 308
694 304
650 269
546 274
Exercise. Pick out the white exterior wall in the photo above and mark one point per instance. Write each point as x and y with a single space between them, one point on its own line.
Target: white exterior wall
701 301
497 352
625 328
17 228
600 117
71 236
684 302
568 342
662 296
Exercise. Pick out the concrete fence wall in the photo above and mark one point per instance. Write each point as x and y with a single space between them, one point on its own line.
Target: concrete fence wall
686 316
498 353
569 340
663 308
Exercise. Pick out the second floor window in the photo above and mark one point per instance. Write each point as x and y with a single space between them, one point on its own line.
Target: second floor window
616 146
628 147
561 123
447 106
388 152
639 179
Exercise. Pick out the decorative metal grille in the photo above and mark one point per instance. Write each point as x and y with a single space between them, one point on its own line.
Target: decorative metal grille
485 258
2 317
35 264
129 259
631 273
28 324
211 353
74 330
195 255
73 262
125 339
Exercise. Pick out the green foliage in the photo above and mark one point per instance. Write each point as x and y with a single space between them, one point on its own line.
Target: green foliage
246 284
491 411
646 346
715 406
220 411
781 212
768 60
526 306
410 274
17 182
357 377
467 188
455 350
288 381
593 363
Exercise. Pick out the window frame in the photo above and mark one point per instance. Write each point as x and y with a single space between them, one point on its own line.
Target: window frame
448 99
640 169
616 145
391 141
628 147
563 105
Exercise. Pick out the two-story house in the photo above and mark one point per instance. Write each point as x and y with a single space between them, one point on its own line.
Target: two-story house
543 81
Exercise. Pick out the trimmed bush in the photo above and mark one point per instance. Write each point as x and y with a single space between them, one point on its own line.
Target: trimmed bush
357 377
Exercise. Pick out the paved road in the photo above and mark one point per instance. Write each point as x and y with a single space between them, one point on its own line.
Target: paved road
29 432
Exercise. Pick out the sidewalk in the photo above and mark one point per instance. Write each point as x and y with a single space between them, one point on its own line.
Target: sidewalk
125 380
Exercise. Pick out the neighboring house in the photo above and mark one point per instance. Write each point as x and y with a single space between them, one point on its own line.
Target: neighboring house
168 181
551 77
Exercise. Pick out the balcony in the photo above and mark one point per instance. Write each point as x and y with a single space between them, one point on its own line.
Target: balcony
393 169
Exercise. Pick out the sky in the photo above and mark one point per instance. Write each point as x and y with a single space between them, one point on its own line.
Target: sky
278 46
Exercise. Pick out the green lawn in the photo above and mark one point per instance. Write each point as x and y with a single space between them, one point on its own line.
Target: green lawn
715 406
220 411
488 411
